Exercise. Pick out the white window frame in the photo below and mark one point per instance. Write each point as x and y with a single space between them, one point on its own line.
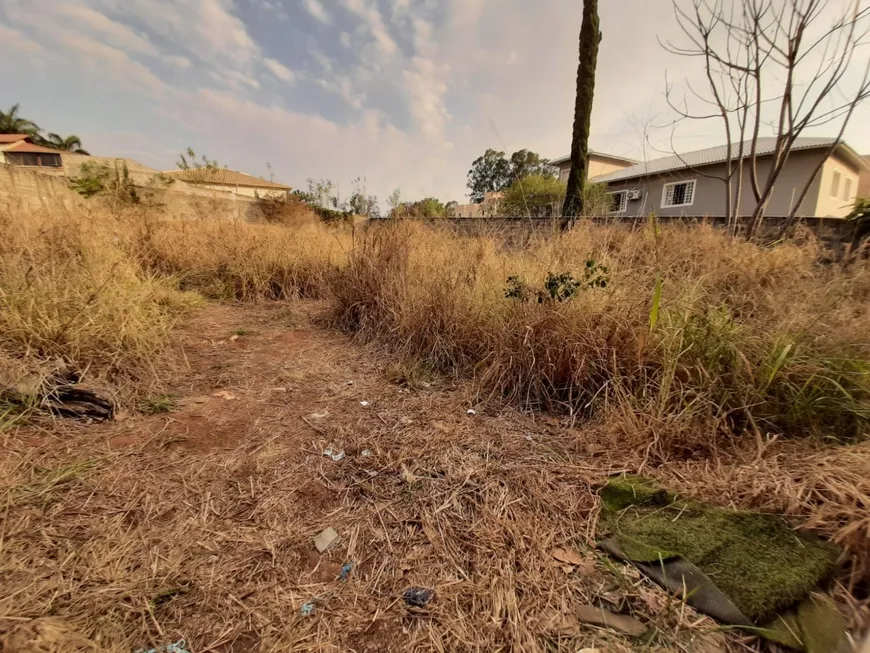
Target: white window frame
623 203
693 182
836 178
847 189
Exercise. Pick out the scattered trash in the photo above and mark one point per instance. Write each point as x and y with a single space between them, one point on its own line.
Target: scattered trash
335 454
177 647
349 383
279 389
366 453
589 614
529 437
233 338
418 597
471 412
308 608
346 570
365 404
326 539
225 394
322 415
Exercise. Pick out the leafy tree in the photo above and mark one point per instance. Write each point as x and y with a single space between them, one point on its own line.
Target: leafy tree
429 207
590 39
525 163
325 193
362 204
450 209
489 173
71 143
11 122
536 196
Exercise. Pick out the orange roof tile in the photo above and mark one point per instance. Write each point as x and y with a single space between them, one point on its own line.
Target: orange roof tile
224 177
13 138
29 148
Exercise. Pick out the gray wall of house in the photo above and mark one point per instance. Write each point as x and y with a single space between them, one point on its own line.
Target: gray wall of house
709 199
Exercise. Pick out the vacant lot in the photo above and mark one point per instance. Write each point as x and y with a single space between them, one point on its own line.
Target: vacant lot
729 372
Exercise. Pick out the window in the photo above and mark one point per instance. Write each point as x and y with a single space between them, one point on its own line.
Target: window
564 174
619 201
681 193
835 184
847 190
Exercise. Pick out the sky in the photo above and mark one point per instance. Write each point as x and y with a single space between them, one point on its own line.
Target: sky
397 93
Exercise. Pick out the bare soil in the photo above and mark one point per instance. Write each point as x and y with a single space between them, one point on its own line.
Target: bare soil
198 523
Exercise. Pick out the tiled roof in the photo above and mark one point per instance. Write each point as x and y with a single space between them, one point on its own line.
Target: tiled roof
13 138
224 177
24 147
707 157
603 155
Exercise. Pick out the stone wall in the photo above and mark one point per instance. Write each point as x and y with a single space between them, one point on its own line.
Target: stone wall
33 190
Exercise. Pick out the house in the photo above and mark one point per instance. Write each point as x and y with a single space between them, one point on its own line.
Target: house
691 184
232 181
487 208
598 164
864 182
20 150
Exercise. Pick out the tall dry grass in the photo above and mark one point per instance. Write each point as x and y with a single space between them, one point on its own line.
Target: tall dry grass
743 338
70 292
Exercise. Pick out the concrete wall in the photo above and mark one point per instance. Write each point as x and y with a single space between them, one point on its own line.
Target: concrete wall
247 191
709 197
32 189
837 204
597 166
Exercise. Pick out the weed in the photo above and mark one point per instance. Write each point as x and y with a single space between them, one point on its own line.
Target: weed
159 405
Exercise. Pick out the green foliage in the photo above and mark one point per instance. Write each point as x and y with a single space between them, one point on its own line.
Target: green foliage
188 160
70 143
536 196
362 204
429 207
558 287
100 179
493 172
159 405
11 122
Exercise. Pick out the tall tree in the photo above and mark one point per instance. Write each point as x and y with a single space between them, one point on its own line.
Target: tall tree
11 122
489 173
590 38
525 163
71 143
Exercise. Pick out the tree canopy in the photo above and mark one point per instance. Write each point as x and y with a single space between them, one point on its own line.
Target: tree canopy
494 172
12 122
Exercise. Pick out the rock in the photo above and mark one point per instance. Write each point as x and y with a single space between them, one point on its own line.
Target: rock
589 614
418 597
326 539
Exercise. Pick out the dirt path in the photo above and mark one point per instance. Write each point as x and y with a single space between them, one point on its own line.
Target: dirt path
198 523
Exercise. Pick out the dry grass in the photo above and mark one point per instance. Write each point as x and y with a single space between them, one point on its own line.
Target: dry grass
745 338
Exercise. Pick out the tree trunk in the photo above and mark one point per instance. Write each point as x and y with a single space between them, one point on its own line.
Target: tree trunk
590 37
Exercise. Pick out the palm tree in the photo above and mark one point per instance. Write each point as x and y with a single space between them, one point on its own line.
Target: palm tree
69 144
12 123
590 38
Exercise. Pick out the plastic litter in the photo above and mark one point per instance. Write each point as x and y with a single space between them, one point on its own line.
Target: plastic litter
177 647
326 539
346 570
365 404
419 597
335 454
308 608
471 412
366 453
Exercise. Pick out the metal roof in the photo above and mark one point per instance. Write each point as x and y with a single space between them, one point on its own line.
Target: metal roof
603 155
712 155
224 177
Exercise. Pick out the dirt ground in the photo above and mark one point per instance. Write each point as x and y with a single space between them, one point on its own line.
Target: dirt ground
198 523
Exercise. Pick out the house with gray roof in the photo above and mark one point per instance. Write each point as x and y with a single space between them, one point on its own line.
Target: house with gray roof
692 185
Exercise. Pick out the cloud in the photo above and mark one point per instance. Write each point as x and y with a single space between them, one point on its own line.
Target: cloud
16 41
316 9
279 70
374 22
182 63
345 39
117 34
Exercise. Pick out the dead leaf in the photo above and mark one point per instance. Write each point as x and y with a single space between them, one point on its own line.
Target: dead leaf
567 556
553 621
567 568
122 415
225 394
441 426
589 614
322 415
